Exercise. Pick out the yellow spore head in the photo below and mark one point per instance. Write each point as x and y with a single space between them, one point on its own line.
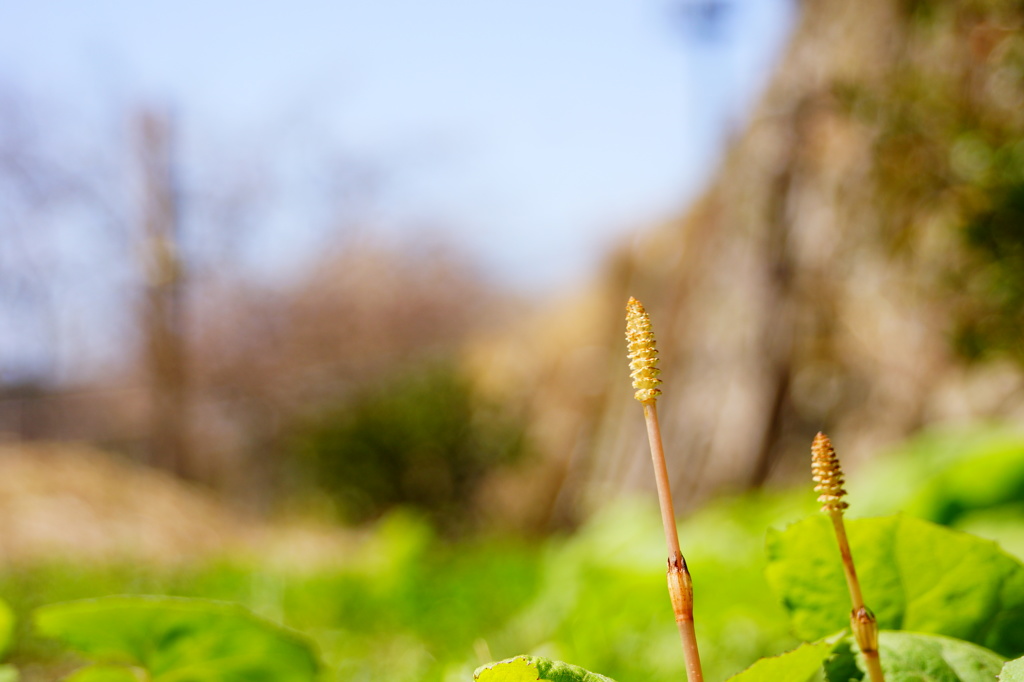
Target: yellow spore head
827 474
643 355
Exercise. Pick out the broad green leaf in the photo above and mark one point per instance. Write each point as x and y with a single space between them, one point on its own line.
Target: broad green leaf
842 667
1013 671
106 673
8 673
911 657
914 575
180 640
532 669
518 669
556 671
905 656
799 665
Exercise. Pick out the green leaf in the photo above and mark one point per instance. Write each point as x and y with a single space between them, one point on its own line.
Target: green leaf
1013 671
8 673
798 665
914 575
905 656
518 669
534 669
842 667
911 657
180 640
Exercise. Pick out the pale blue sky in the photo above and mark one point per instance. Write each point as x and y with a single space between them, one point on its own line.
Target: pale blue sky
536 131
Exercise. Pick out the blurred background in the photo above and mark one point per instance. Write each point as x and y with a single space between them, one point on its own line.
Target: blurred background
320 308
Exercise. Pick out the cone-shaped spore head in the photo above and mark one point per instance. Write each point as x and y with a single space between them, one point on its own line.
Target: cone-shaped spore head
643 354
827 474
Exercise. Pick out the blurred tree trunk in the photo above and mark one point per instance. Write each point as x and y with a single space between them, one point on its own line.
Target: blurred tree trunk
162 315
782 261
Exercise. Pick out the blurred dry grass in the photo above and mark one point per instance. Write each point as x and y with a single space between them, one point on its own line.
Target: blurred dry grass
64 501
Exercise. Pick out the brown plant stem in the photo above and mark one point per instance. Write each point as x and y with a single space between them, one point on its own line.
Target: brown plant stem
852 583
829 478
668 514
862 621
680 585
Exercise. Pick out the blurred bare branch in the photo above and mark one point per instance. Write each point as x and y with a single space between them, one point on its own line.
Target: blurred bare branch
162 316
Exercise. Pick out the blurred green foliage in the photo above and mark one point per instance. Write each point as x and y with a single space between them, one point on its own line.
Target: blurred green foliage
404 607
174 639
7 623
7 631
971 479
420 440
407 605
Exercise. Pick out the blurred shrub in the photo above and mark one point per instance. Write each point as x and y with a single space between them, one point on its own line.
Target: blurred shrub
996 239
421 440
949 155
